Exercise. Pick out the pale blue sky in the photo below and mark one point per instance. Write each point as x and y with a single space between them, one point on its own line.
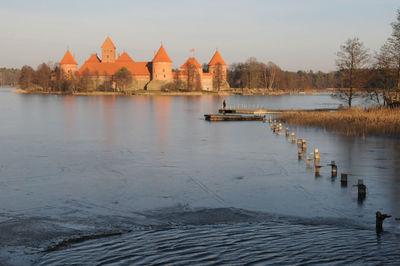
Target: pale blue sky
295 34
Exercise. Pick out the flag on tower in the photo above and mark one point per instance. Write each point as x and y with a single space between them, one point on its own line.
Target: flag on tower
192 50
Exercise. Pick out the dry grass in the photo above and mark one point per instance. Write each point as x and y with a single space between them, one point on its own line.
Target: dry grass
351 122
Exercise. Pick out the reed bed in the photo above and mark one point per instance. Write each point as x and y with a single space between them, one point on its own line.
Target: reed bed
351 122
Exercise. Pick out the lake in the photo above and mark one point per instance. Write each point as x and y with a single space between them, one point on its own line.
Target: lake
176 189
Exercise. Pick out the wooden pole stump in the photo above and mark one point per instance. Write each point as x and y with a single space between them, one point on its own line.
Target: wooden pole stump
300 154
333 168
362 189
379 221
304 145
343 179
316 154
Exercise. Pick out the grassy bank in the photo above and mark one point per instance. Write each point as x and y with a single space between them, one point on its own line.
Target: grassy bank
351 122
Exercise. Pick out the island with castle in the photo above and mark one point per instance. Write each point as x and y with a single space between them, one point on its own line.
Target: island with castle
154 75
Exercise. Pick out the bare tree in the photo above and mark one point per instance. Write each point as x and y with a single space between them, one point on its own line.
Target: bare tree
175 85
96 79
43 76
272 75
352 58
26 77
218 77
84 80
123 78
382 78
193 77
393 46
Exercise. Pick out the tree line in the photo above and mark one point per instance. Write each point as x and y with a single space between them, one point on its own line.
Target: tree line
377 73
360 73
51 78
253 74
9 77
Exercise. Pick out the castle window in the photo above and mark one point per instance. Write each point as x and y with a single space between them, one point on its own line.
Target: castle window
164 76
163 70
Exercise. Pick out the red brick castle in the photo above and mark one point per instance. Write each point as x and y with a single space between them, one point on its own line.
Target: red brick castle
152 75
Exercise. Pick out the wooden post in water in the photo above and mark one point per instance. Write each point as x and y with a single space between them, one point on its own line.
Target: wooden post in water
300 154
293 138
333 169
362 189
316 154
299 143
270 119
317 167
287 133
304 145
343 179
379 221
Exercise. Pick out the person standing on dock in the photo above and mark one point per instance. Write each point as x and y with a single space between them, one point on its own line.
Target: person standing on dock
223 104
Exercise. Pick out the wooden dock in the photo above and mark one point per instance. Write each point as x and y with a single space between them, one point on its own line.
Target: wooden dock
263 111
230 117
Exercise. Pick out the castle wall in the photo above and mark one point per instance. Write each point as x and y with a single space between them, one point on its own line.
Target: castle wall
207 84
141 83
162 71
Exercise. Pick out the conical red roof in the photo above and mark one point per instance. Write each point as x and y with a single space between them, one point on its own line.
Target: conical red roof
161 56
108 43
192 61
93 59
68 59
217 59
124 58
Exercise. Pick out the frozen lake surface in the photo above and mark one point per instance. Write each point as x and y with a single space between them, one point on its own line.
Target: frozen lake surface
172 188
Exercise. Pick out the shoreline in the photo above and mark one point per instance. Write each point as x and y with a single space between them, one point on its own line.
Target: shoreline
254 92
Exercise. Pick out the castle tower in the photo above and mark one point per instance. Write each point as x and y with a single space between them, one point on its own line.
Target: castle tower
68 65
162 66
108 51
217 66
194 73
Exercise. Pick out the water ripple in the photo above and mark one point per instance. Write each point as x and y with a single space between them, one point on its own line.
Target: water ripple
235 244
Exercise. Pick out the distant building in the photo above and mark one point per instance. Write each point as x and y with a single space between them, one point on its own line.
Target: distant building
68 64
152 75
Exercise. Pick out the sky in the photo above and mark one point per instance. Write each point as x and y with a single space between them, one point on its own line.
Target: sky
294 34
